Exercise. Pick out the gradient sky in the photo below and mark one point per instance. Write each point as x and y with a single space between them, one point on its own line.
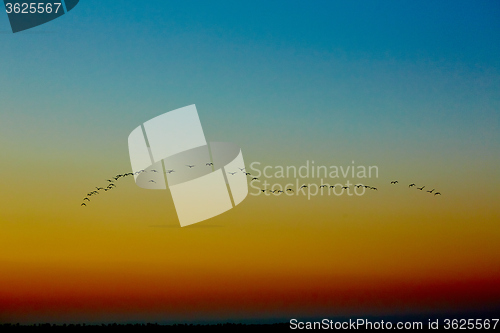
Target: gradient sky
411 87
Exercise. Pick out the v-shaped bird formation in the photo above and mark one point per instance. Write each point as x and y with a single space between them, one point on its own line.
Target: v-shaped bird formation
112 183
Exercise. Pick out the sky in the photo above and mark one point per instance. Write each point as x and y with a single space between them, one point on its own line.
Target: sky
412 88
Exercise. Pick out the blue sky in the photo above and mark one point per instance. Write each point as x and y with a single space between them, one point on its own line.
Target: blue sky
396 74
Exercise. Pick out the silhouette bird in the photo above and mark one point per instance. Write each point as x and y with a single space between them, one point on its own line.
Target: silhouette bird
112 184
209 164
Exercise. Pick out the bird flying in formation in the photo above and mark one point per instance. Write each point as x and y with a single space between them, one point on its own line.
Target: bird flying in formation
112 184
422 188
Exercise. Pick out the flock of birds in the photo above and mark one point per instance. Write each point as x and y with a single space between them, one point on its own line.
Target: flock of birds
394 182
112 184
322 186
419 188
109 187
